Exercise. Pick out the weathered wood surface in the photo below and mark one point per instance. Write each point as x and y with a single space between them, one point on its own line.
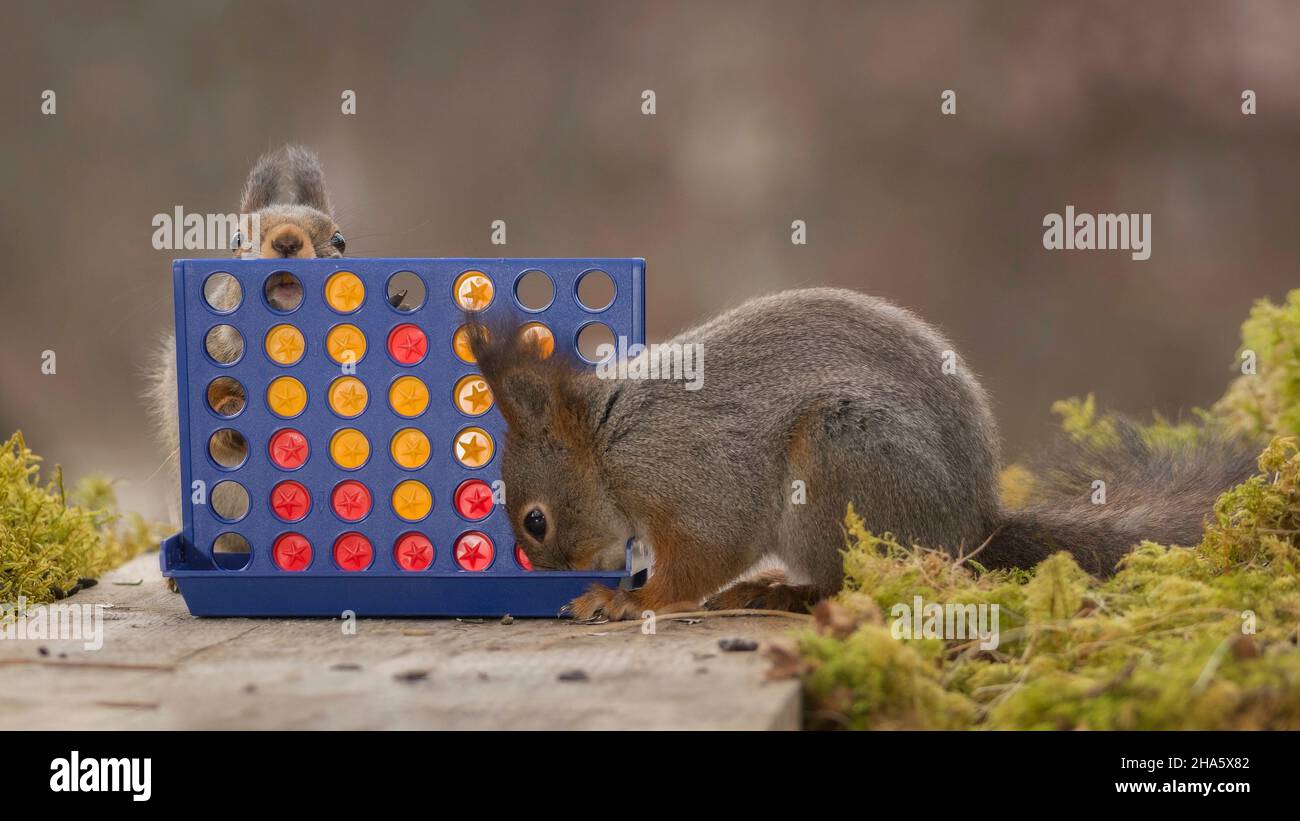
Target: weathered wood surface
160 668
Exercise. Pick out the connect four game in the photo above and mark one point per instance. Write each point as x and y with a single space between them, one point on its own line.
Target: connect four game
339 450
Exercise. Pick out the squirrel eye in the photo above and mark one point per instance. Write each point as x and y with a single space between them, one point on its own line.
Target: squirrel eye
535 524
338 241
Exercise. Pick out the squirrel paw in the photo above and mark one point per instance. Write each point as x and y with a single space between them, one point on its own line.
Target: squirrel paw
600 602
764 595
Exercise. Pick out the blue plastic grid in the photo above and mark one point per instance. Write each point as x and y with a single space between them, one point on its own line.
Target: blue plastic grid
213 585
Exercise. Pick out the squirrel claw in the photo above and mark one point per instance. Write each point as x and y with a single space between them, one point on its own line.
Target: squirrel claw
600 604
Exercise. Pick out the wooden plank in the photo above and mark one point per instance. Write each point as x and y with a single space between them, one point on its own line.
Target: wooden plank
160 668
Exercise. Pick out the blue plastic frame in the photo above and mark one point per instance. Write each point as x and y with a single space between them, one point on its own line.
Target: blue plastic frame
384 589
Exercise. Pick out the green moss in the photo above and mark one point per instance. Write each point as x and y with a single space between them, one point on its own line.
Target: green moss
1267 402
1165 643
1179 638
873 681
1016 486
50 540
1081 421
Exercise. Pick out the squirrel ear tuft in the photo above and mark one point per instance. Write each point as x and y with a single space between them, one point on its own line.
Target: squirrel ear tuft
535 390
524 385
290 175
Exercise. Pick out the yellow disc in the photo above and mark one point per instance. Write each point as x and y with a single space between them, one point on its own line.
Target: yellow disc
473 447
286 396
460 343
344 292
473 291
349 448
412 500
542 335
408 396
284 344
348 396
346 344
410 448
473 396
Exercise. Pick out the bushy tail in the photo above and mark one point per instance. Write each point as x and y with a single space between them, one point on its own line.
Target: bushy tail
1159 492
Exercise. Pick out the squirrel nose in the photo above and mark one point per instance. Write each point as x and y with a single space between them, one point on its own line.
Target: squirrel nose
287 240
287 244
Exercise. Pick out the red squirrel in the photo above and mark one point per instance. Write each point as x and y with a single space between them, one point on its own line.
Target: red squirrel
286 192
844 393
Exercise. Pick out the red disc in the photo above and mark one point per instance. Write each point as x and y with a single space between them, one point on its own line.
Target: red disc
474 551
522 558
353 552
350 500
292 551
290 501
288 449
407 344
474 499
413 552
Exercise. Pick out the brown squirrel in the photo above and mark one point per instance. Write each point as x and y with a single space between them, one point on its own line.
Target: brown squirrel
843 392
286 191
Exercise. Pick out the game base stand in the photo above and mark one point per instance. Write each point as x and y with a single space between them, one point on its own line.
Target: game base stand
339 449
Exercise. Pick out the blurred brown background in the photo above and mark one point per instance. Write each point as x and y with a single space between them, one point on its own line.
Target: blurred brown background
767 112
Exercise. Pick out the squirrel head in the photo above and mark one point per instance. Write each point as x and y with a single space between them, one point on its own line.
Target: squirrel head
557 495
286 192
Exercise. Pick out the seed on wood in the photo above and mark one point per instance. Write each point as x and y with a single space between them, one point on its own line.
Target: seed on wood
574 675
737 645
412 675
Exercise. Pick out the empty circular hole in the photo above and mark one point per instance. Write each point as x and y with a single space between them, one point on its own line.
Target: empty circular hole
534 290
231 551
591 337
228 448
222 293
283 291
224 344
225 396
229 501
595 290
405 291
